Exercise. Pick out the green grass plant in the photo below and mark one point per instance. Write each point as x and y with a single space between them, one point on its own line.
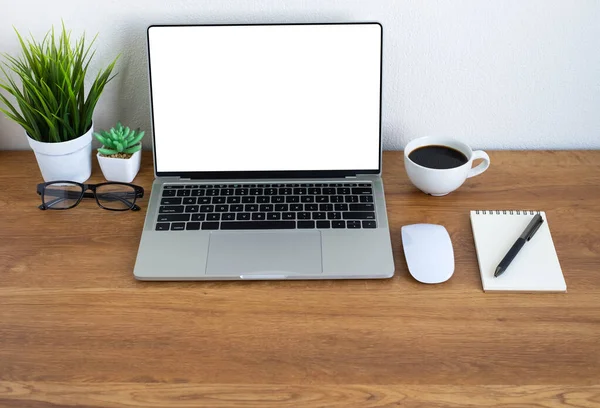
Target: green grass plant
50 92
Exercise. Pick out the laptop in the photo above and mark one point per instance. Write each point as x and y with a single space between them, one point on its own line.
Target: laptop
267 153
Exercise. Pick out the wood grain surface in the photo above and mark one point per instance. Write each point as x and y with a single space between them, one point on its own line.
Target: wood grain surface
76 329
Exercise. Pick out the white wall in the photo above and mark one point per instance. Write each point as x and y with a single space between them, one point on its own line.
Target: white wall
518 74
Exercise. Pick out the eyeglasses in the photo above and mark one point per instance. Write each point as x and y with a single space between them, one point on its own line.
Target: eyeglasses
63 195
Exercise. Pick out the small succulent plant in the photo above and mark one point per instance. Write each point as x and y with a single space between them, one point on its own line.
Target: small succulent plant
119 139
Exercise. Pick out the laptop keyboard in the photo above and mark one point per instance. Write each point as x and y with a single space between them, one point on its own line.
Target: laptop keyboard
266 206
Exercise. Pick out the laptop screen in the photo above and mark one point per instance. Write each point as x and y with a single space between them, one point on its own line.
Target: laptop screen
266 98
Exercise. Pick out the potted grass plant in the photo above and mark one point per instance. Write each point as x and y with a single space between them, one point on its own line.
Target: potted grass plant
48 83
120 154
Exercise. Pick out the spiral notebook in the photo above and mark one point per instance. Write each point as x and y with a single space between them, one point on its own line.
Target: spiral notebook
535 268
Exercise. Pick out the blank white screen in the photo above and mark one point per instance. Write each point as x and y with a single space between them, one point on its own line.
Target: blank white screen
266 98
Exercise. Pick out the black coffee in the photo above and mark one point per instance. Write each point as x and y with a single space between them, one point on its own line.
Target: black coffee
438 157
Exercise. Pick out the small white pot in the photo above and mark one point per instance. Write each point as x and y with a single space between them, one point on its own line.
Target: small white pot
123 170
71 160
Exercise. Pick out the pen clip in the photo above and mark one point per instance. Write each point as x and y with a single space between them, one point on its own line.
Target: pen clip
535 227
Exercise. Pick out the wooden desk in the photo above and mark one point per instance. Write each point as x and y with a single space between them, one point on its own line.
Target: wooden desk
77 329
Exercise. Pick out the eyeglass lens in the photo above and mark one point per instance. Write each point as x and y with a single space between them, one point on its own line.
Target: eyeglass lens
61 195
116 196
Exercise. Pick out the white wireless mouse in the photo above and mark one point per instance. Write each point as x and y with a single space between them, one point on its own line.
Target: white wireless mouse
428 251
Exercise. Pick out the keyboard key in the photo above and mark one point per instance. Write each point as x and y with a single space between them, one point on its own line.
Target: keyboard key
285 191
213 192
178 226
242 216
314 191
369 224
241 191
366 199
173 217
358 215
213 216
183 193
296 207
292 199
300 191
171 187
273 216
322 199
219 200
353 224
336 199
227 191
258 216
257 225
338 224
204 200
192 208
277 199
198 217
343 190
251 207
197 193
281 207
307 199
266 207
189 200
170 201
236 207
210 225
364 184
351 199
169 193
192 226
270 191
311 207
306 224
222 208
362 207
228 217
256 191
329 191
325 207
303 215
248 200
263 199
207 208
170 209
341 207
361 190
163 226
288 216
334 215
234 200
319 216
323 224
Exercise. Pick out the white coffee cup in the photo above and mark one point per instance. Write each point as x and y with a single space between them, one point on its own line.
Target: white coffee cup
439 182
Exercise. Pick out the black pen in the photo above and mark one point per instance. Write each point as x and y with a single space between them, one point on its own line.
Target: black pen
529 232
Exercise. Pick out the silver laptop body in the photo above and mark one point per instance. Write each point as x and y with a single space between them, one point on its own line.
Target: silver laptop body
267 154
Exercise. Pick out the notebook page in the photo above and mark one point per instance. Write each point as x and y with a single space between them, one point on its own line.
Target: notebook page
536 266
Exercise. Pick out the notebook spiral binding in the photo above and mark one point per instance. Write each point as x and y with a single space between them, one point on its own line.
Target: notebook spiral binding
505 212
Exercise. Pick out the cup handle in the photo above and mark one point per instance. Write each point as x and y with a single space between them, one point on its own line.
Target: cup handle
481 167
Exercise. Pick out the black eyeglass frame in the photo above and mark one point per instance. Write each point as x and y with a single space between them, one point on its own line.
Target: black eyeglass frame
139 193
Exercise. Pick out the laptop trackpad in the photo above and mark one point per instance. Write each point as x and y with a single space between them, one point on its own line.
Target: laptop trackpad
273 254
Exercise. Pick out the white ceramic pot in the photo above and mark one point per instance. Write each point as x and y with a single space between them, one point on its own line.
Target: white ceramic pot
71 160
123 170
